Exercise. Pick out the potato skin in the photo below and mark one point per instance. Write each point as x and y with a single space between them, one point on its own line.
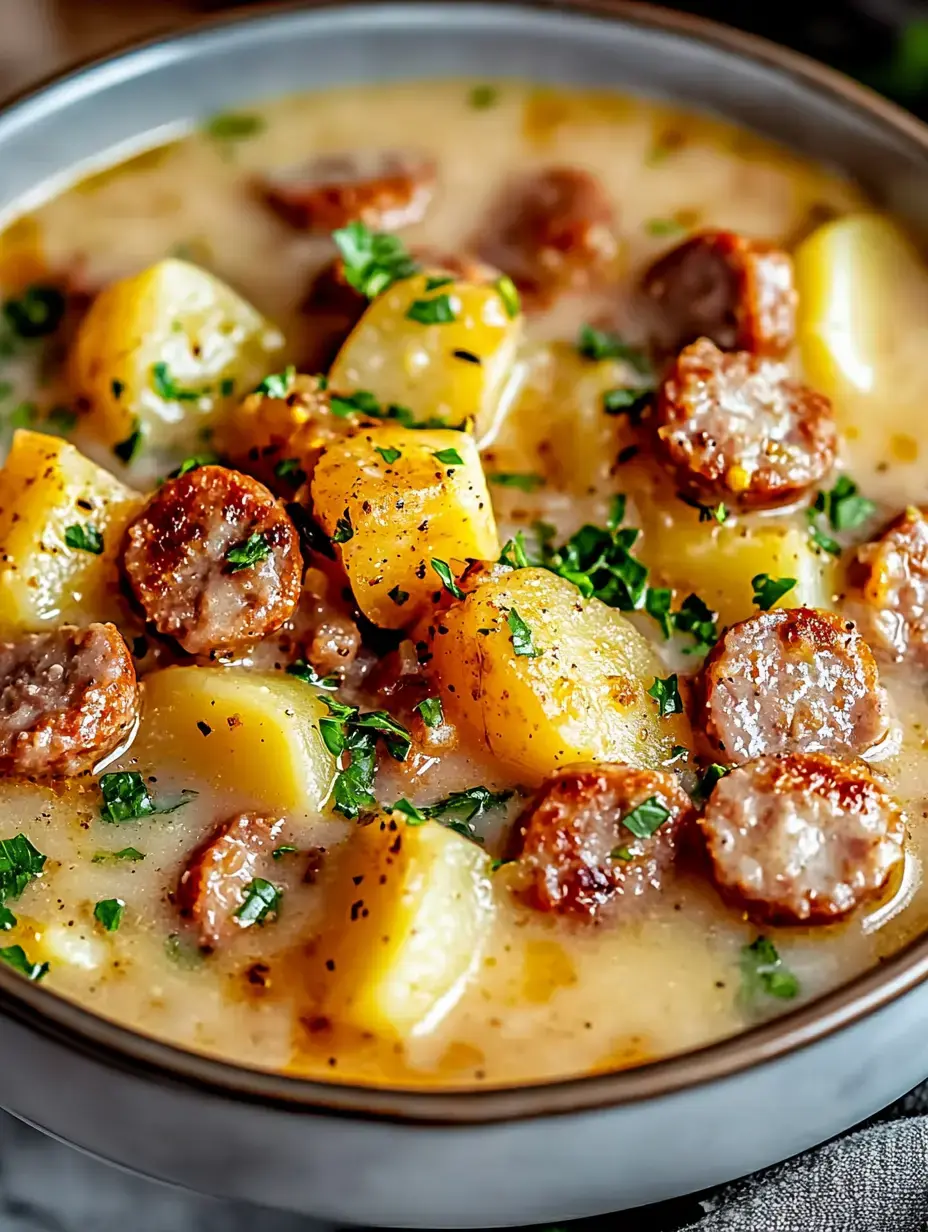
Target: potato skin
403 514
581 699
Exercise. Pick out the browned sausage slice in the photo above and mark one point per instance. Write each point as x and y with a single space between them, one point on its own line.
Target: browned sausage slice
802 839
596 832
792 680
212 887
214 561
555 233
739 429
385 189
719 285
68 699
892 576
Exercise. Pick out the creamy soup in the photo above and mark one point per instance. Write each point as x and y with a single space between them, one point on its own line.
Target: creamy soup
374 811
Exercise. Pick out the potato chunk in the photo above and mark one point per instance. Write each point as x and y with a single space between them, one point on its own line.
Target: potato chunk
452 370
394 506
863 333
719 562
580 697
165 351
47 489
410 910
556 425
253 735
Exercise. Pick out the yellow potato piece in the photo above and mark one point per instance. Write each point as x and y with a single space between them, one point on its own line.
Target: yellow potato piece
431 368
409 912
47 486
403 512
581 698
214 347
262 746
863 336
555 424
719 562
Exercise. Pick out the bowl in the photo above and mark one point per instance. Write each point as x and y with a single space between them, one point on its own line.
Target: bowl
489 1157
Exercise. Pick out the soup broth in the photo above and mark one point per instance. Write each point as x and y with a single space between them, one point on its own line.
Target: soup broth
536 994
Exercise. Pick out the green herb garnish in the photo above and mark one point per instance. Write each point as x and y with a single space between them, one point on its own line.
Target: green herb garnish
20 863
511 479
389 455
37 313
762 970
506 290
131 855
437 311
664 226
696 619
108 912
24 415
667 695
449 457
307 673
261 900
447 578
768 590
482 97
843 508
398 596
286 849
234 126
126 798
707 781
165 386
522 643
343 528
194 463
597 344
431 710
15 956
646 817
289 468
84 538
514 554
372 261
255 549
277 384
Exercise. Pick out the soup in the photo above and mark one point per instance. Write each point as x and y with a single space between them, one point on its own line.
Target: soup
430 653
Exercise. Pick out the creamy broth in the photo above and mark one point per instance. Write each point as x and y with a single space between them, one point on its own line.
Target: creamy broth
548 997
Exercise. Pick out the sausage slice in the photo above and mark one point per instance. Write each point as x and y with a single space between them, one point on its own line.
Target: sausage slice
720 285
596 832
792 680
892 576
214 561
67 699
212 886
738 428
803 838
554 233
385 189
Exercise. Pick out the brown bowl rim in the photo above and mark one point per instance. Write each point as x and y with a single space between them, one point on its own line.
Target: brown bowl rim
104 1041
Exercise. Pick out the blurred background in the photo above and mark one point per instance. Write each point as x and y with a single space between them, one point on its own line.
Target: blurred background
882 42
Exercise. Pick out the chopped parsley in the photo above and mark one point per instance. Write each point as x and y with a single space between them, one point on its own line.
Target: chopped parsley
389 455
667 695
7 919
255 549
434 281
398 596
84 538
289 468
307 673
413 815
262 899
506 290
20 863
458 811
645 818
61 419
194 463
708 513
131 855
182 951
768 590
108 912
286 849
449 457
599 344
372 260
126 798
522 643
24 415
343 528
447 578
657 604
15 956
524 482
277 384
234 126
628 401
126 450
363 402
482 97
707 781
514 554
431 710
843 508
37 313
165 386
664 226
437 311
348 734
762 971
679 752
699 621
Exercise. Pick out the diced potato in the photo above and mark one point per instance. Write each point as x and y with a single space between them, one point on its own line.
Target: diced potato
431 368
62 946
403 514
556 425
47 486
261 744
411 907
719 562
580 698
167 350
863 336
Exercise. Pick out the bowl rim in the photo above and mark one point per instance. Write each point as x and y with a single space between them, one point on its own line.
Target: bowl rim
111 1044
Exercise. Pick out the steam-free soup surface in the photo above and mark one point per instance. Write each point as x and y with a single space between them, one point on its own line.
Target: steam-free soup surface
549 994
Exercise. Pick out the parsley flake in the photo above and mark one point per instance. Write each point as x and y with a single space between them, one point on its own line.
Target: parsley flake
413 815
707 781
126 798
631 401
506 290
193 463
398 596
286 849
437 311
699 621
389 455
762 971
431 710
524 482
289 468
248 554
482 97
307 673
20 863
447 578
108 912
372 261
262 899
664 227
645 818
343 528
84 538
768 590
234 126
843 508
15 956
667 695
277 384
449 457
131 855
165 386
514 554
597 344
522 643
37 313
